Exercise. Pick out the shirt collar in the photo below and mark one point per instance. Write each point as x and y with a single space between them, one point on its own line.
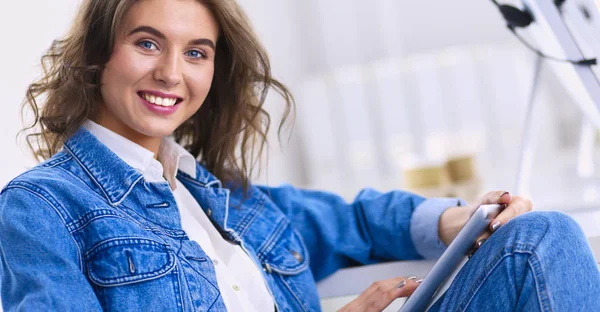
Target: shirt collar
171 156
174 157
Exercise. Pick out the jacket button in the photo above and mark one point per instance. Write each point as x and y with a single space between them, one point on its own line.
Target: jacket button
208 212
297 256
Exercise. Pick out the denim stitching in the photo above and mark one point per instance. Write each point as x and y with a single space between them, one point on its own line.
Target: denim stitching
538 276
244 225
187 282
479 282
95 190
108 196
124 196
251 213
269 243
130 211
301 266
177 288
85 169
304 248
76 243
61 211
119 241
57 161
91 216
207 280
119 281
189 179
507 252
293 293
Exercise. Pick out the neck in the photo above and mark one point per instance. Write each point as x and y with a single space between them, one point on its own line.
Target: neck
112 123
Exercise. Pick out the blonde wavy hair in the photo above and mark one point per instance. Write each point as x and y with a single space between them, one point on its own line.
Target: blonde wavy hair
227 134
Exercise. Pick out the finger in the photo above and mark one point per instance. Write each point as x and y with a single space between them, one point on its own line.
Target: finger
380 286
478 243
482 239
496 197
518 206
380 294
386 285
380 301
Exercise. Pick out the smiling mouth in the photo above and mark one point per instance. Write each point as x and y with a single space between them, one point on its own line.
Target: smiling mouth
160 101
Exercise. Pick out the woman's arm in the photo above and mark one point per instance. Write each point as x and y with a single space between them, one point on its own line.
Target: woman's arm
39 259
375 227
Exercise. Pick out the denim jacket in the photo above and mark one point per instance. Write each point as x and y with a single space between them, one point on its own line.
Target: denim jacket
83 231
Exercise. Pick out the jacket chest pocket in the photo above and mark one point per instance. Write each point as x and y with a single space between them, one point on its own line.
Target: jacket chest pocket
286 258
130 274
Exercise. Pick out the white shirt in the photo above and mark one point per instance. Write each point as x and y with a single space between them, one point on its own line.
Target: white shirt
240 281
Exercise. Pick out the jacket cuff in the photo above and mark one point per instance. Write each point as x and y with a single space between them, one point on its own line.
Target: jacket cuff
424 226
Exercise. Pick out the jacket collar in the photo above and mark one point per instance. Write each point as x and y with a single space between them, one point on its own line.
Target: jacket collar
111 174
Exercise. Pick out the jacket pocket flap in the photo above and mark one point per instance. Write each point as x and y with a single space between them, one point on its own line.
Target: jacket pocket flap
286 253
125 261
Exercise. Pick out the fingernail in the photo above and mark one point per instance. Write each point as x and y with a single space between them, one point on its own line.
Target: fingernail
480 242
419 281
495 226
503 195
411 277
401 284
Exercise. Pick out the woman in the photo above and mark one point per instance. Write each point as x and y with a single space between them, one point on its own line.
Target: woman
121 217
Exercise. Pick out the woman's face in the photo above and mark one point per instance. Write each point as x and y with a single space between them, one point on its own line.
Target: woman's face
160 70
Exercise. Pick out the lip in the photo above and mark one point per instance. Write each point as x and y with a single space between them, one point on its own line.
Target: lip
157 109
161 94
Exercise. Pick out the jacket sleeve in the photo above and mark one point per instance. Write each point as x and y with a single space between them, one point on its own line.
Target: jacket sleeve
375 227
40 266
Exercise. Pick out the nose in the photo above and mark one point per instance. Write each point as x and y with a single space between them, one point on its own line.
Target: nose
168 70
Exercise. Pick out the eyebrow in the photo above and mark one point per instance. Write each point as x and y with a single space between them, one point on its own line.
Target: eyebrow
157 33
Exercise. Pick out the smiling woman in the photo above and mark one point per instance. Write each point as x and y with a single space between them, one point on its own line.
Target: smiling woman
160 72
124 61
148 118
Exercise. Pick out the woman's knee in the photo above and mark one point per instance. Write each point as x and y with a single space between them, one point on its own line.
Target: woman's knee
535 226
546 219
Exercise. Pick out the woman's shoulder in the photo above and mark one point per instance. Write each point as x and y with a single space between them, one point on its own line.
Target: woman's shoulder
41 174
51 180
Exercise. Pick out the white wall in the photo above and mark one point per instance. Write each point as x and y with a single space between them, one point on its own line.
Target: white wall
28 28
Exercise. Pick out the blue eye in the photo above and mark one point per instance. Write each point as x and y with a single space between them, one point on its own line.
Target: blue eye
148 45
195 54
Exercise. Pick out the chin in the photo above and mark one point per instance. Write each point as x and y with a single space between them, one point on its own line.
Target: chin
157 131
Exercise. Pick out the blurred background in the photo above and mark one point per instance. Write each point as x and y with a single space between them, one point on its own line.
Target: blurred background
422 95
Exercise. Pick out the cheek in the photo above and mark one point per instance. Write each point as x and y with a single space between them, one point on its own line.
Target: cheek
124 70
199 85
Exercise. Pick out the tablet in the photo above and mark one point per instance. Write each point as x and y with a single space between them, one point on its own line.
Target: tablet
441 275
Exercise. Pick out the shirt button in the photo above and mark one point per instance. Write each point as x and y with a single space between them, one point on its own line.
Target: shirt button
297 256
208 212
236 287
215 261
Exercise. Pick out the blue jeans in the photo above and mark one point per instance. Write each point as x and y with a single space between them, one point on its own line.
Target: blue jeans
540 261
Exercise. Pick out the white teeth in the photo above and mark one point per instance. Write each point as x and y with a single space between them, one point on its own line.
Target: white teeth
158 100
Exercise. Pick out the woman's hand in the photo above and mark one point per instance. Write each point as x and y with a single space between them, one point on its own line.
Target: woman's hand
381 294
453 219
